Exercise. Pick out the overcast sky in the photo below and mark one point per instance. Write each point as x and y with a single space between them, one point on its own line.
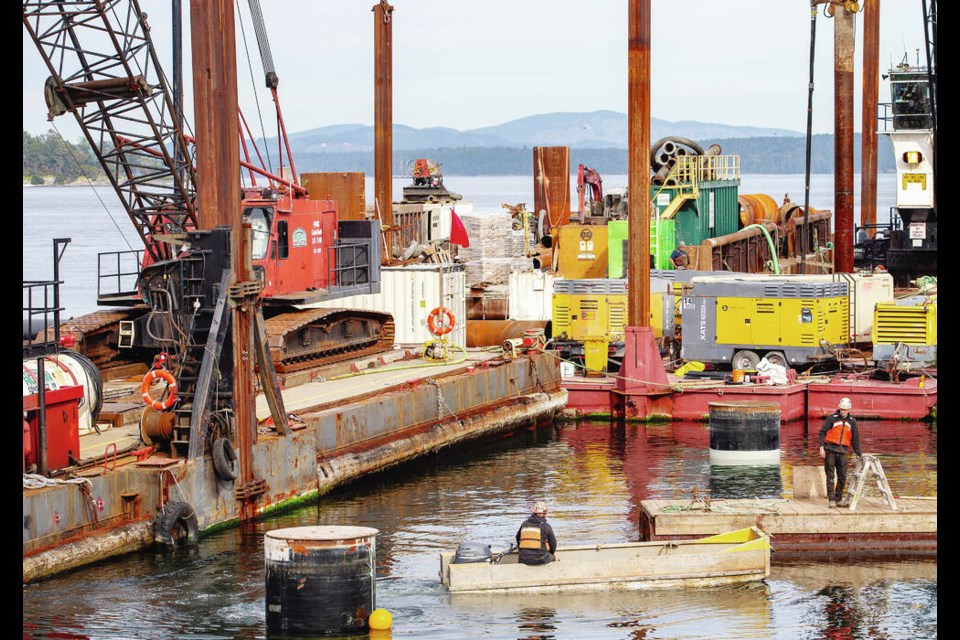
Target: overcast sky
467 64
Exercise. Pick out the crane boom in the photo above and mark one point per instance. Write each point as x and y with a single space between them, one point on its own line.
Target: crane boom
104 69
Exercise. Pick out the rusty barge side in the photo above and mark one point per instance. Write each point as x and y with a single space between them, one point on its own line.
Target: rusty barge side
112 510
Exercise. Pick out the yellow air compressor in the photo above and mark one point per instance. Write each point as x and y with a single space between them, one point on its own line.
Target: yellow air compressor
588 312
905 334
738 320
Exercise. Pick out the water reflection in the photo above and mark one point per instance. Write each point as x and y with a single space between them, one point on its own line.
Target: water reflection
745 481
734 611
537 623
594 475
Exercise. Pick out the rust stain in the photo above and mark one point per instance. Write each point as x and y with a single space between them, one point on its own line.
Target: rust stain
78 534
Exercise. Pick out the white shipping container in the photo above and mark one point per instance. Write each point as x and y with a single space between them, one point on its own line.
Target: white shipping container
410 293
441 220
531 295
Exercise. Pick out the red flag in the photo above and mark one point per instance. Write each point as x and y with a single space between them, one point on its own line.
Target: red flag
458 233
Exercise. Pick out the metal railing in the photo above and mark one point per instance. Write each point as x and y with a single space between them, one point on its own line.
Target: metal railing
40 313
117 274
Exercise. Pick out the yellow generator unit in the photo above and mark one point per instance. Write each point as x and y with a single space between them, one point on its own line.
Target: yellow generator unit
582 251
905 334
594 310
739 320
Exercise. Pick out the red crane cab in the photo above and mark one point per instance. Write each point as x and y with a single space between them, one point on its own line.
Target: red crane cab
294 243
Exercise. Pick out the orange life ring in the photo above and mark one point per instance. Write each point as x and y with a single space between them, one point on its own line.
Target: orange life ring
148 379
441 321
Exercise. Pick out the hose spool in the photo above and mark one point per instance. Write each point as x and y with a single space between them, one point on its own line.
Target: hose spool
756 208
68 369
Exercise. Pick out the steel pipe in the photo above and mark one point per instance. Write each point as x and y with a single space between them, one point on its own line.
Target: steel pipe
488 333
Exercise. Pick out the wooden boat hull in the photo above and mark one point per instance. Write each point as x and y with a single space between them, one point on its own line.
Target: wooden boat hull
734 557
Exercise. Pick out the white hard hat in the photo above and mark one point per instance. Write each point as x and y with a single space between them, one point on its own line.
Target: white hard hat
539 507
845 404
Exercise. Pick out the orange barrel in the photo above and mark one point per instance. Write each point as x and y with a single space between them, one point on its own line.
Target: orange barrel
756 208
744 432
320 580
489 333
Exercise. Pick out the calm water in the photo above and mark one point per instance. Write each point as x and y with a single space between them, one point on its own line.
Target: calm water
594 476
96 223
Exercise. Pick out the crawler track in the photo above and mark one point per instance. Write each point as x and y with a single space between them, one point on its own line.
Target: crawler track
311 337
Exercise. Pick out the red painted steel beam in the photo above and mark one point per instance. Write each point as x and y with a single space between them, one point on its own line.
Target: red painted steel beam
843 50
868 141
383 112
214 50
638 158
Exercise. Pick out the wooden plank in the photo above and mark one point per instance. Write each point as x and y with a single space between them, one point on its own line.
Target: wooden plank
806 517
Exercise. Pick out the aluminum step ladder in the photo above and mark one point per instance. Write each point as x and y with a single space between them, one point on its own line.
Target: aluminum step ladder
868 466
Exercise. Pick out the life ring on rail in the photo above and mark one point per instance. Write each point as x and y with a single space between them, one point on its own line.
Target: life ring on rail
176 526
148 379
441 321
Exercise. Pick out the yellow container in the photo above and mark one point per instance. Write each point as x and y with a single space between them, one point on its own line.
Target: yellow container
595 351
582 251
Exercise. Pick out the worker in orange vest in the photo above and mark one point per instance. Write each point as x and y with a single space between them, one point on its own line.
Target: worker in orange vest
837 435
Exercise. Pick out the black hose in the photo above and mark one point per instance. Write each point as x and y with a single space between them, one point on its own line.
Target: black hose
96 379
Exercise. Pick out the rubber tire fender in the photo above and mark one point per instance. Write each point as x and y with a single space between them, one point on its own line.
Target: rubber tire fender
225 462
176 526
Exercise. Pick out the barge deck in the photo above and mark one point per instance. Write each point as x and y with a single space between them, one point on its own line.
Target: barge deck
804 528
340 430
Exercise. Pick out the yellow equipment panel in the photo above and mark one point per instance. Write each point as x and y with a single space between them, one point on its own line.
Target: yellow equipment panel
783 322
582 316
582 251
915 324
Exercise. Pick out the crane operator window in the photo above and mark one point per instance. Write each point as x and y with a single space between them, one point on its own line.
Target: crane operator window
259 219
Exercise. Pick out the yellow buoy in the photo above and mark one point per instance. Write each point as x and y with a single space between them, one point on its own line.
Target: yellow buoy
380 619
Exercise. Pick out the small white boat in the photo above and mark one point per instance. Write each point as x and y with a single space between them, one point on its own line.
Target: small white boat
737 556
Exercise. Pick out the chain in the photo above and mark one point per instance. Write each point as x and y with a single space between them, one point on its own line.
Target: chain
536 375
442 406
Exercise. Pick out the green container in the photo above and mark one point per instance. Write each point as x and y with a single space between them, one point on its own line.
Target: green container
617 233
722 197
662 243
714 213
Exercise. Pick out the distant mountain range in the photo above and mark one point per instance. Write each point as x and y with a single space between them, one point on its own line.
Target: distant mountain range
594 130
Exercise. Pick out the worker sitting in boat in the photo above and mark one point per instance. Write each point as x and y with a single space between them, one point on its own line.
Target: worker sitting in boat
679 257
535 537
